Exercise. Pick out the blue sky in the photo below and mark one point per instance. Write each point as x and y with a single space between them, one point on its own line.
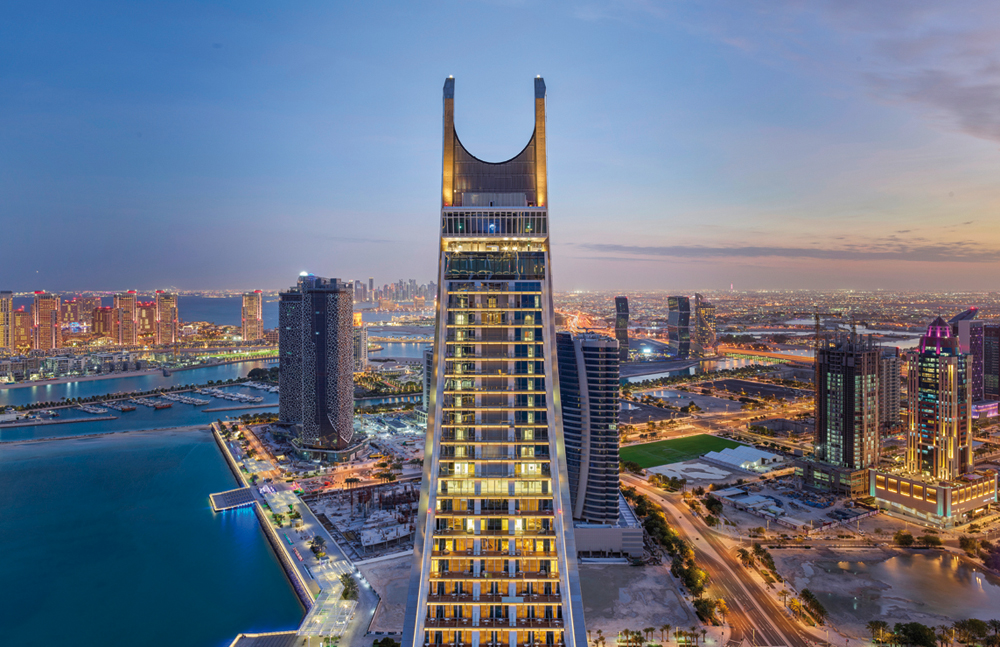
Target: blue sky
691 145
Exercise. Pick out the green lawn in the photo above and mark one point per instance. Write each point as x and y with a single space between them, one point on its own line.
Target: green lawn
664 452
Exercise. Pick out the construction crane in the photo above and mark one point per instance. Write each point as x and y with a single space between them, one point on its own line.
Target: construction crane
815 315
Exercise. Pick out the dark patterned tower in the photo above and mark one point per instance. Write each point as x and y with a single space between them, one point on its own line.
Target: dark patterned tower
316 381
494 557
621 327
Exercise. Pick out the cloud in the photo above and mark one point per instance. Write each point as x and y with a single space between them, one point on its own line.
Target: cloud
960 252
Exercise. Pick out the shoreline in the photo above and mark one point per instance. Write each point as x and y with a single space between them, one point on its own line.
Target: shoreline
66 421
126 374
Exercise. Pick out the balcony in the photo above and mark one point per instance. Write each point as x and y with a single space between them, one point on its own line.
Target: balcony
490 598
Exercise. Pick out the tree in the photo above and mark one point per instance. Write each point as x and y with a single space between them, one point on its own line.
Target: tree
877 629
746 557
722 608
350 481
995 626
649 632
903 538
664 632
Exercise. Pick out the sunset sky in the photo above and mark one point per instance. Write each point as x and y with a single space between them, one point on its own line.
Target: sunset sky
771 144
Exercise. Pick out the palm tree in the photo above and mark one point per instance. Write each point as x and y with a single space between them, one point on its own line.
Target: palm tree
649 632
694 634
664 631
995 626
704 632
746 557
873 628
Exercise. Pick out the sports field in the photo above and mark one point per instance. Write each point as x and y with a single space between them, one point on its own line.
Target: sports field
664 452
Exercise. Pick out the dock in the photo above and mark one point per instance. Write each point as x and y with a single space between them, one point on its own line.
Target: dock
230 499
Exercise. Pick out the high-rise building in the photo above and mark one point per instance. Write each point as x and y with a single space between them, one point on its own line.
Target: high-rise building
425 399
939 433
47 328
679 326
7 321
703 338
126 327
316 382
494 556
971 338
991 361
167 317
85 308
145 318
104 320
938 484
253 315
588 389
360 341
621 327
23 330
890 376
847 405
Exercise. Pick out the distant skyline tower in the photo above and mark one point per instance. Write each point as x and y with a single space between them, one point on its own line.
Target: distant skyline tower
360 340
23 330
126 329
7 321
679 326
890 389
621 327
971 341
703 338
316 381
494 555
939 433
253 315
847 406
167 317
47 328
588 388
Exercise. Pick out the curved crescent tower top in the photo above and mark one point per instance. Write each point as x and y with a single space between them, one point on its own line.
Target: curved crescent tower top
494 557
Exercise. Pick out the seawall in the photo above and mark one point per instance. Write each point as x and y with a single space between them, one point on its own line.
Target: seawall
298 584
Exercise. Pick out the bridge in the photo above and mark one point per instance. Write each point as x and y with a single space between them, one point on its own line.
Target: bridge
764 355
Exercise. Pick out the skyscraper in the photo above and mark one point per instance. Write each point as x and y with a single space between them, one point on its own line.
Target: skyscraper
679 326
621 327
847 407
104 320
939 483
7 321
425 398
126 328
939 433
316 382
23 330
145 318
588 388
494 556
253 315
889 389
971 342
703 338
360 341
47 328
167 318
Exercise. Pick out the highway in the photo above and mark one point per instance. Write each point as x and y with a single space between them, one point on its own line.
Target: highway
753 614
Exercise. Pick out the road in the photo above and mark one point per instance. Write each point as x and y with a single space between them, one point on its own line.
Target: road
752 613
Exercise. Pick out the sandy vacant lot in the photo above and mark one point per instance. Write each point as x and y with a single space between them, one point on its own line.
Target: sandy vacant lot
615 597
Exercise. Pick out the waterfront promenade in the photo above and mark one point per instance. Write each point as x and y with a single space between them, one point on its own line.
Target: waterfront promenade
316 581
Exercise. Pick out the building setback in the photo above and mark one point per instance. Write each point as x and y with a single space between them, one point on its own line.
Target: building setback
494 556
588 388
316 381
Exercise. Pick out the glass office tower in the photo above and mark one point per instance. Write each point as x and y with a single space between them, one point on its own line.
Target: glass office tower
494 557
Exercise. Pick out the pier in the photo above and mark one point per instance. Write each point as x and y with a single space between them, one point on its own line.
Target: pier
230 499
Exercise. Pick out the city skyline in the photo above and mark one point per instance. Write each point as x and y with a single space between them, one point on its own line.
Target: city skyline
867 162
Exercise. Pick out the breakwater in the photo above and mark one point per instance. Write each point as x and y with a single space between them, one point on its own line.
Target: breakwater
61 421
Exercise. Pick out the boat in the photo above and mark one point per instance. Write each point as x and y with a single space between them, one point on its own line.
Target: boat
163 405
